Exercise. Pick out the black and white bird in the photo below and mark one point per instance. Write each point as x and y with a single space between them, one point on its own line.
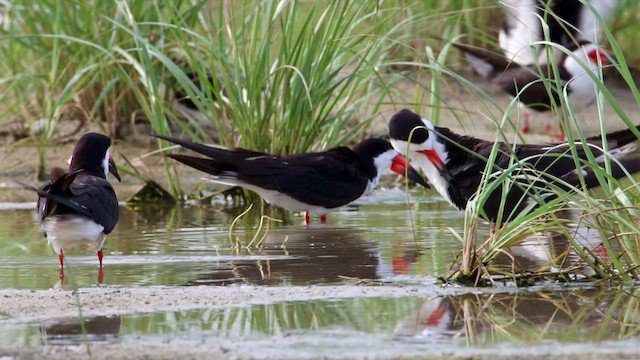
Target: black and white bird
316 183
455 164
539 87
566 22
79 207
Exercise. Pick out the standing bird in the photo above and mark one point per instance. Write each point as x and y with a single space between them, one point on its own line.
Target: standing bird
315 183
536 86
568 23
80 207
455 164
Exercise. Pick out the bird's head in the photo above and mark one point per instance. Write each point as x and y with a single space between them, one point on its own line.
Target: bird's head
93 154
416 138
383 156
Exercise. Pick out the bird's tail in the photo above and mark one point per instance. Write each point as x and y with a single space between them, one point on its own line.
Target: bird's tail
228 159
210 166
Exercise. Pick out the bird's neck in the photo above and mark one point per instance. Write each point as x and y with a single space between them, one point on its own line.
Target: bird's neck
457 147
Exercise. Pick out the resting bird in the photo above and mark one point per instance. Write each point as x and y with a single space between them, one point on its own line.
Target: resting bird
454 164
79 207
315 183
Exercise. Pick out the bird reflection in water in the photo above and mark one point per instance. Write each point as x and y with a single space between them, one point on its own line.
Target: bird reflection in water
309 255
69 331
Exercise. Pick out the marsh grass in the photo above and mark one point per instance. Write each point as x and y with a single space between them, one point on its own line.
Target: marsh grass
612 211
260 234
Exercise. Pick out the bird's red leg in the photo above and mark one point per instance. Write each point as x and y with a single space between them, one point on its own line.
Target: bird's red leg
100 255
323 218
560 135
306 218
61 258
495 227
525 123
100 276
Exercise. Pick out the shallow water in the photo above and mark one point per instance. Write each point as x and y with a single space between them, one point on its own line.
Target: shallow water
191 246
552 319
379 239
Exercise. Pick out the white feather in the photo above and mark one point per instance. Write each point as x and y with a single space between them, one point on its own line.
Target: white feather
67 231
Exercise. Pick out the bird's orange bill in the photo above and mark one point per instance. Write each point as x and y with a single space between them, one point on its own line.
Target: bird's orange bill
399 165
113 170
434 158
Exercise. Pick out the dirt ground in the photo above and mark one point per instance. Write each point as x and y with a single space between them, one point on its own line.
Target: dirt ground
464 113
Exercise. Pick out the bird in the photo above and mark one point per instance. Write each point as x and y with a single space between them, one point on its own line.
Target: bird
79 206
567 22
536 86
315 182
455 164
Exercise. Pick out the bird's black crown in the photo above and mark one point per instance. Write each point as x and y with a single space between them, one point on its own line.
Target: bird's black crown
403 122
372 147
89 153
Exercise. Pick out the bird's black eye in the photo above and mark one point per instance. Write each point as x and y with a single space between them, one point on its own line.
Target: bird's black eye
403 122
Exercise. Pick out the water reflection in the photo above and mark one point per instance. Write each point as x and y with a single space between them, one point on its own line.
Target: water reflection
314 255
69 331
527 318
178 245
550 318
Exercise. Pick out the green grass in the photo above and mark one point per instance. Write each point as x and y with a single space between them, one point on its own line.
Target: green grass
612 211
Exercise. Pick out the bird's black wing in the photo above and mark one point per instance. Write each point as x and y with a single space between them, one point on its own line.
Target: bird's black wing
615 139
330 179
97 196
53 199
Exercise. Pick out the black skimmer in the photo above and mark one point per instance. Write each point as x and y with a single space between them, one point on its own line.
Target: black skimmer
455 164
315 183
568 22
536 86
79 207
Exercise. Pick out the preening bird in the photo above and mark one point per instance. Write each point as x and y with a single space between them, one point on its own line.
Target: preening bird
455 164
